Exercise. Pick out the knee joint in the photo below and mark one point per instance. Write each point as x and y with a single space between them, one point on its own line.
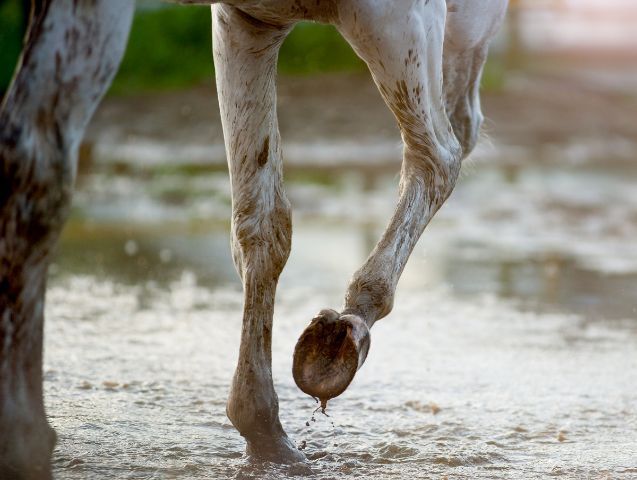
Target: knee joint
438 166
467 120
35 188
263 236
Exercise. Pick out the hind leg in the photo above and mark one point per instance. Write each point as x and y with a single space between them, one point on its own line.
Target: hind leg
72 52
402 43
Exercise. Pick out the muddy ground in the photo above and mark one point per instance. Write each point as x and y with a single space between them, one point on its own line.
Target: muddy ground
510 352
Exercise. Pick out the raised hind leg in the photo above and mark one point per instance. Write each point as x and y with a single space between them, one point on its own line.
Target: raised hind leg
402 43
245 52
72 52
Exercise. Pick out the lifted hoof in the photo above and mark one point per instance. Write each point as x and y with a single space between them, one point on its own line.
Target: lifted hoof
329 353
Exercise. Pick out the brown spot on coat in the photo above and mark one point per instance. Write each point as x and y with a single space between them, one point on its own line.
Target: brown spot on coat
262 159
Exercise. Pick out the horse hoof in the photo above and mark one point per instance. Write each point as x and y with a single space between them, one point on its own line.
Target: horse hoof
329 353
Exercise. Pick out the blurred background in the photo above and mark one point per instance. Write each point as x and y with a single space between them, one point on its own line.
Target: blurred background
558 95
536 245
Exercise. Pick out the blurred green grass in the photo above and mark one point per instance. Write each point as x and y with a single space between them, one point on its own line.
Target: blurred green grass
170 48
10 39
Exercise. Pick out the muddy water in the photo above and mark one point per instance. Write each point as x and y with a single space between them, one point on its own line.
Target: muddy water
511 351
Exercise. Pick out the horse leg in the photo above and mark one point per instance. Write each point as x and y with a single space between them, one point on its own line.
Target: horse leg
72 52
402 44
245 53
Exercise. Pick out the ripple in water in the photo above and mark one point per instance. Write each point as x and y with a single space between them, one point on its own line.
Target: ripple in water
136 380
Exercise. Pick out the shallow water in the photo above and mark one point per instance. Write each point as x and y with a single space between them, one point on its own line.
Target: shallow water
511 351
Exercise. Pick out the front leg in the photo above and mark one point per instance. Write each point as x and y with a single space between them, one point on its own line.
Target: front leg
402 43
245 52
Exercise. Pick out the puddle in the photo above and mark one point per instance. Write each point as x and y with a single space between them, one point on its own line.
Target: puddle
510 352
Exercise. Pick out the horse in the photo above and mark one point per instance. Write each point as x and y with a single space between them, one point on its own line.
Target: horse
426 58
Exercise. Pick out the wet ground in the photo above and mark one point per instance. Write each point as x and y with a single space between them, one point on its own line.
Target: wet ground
511 351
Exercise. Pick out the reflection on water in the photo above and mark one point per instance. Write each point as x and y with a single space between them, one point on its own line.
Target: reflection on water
556 238
511 351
